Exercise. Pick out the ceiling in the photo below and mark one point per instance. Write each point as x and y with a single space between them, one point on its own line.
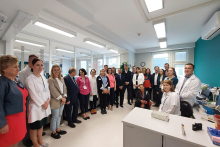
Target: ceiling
111 22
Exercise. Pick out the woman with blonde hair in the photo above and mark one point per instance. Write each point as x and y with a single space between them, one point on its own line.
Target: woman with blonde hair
170 101
12 103
58 94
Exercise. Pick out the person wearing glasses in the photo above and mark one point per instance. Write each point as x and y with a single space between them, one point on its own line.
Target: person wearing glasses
172 76
12 103
84 92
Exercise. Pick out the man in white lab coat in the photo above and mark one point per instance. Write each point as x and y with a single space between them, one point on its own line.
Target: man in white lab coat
189 86
22 78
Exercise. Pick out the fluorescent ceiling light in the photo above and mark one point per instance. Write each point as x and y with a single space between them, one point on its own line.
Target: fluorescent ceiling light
29 43
18 50
163 43
112 50
45 54
62 50
93 42
81 53
160 29
153 5
55 28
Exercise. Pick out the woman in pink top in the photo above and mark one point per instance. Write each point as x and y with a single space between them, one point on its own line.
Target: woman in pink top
84 91
111 96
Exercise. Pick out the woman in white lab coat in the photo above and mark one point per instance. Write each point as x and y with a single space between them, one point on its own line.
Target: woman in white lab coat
138 79
39 105
170 102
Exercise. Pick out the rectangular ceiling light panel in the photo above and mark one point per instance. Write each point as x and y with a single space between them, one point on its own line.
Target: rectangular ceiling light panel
153 5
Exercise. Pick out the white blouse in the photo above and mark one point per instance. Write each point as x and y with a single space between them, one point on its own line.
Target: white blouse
93 84
61 88
170 103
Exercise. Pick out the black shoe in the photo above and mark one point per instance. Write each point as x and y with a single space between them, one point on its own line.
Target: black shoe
102 111
55 135
129 103
27 143
85 118
116 106
43 133
105 111
77 121
62 132
88 117
72 125
121 106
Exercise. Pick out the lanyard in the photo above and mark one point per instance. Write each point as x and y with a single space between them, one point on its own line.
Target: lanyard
84 81
42 81
164 102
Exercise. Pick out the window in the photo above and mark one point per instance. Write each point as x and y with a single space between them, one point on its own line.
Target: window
113 62
160 59
180 70
180 56
84 64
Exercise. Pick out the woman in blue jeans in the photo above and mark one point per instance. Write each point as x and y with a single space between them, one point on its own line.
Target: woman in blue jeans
58 95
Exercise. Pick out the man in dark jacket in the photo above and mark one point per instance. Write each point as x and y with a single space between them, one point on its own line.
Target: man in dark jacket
143 98
120 83
128 80
72 105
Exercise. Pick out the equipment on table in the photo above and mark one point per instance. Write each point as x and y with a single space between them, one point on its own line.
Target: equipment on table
214 135
160 115
186 109
183 130
217 121
196 126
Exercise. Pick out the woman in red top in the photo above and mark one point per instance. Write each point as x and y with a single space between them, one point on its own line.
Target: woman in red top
84 92
12 103
147 81
111 96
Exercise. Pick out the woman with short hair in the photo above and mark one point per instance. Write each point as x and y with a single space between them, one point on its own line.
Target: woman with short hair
84 91
58 96
12 103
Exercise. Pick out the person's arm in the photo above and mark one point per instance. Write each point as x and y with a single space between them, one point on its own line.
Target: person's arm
64 89
171 109
134 79
175 82
67 89
108 83
194 89
115 85
89 86
123 80
53 91
33 94
78 81
3 121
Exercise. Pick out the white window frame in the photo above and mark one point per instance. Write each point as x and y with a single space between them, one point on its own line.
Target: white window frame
164 52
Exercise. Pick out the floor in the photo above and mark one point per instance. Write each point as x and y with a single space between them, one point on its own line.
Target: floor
99 131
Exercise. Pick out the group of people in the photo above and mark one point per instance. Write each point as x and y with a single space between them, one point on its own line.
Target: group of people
40 97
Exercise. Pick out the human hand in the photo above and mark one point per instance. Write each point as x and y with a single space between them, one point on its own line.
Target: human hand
90 93
4 130
157 92
45 105
121 87
114 89
68 103
142 105
63 100
162 90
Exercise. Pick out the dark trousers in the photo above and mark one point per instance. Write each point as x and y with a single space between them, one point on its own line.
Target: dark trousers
149 90
138 104
111 97
94 102
27 136
128 87
120 93
155 95
103 101
133 94
160 97
71 112
84 102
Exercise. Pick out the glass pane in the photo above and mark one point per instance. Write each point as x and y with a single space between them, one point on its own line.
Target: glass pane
180 70
160 60
180 56
84 64
113 62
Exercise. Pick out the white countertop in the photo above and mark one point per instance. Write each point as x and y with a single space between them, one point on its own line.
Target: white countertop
142 118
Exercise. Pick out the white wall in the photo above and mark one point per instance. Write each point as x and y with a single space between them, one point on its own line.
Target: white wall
131 58
191 55
65 66
144 57
2 47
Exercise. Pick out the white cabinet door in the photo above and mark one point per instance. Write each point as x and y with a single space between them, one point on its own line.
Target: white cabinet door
134 136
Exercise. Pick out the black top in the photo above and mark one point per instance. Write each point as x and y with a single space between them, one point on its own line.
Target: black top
11 99
120 81
128 77
100 84
72 89
146 98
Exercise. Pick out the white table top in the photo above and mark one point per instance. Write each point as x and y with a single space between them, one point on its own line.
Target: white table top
142 118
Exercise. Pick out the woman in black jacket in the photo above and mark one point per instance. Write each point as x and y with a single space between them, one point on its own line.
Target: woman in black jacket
143 98
103 86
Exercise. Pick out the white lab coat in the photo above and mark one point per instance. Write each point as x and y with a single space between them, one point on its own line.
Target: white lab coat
37 98
140 79
190 89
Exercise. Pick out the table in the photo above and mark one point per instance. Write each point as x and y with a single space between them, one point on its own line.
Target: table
140 130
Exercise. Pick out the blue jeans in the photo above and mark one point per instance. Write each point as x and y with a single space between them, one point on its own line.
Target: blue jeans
56 117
